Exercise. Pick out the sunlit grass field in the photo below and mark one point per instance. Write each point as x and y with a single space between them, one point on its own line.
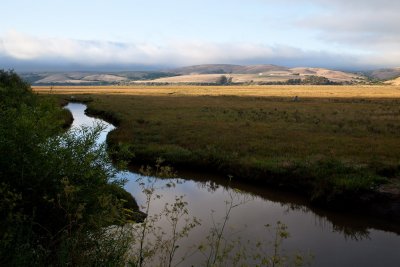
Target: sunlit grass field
342 135
361 91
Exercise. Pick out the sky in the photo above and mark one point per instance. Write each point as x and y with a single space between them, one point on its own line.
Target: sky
158 34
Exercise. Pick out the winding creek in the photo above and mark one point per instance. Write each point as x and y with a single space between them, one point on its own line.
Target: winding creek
335 239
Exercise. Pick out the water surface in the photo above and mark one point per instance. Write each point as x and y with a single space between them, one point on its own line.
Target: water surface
335 239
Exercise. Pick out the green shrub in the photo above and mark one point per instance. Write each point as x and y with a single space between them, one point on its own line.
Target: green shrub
58 191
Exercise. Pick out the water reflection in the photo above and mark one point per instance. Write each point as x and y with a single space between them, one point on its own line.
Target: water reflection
336 239
80 119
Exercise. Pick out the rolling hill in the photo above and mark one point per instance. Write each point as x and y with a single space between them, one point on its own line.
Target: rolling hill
205 74
253 73
384 74
394 81
91 78
226 69
77 78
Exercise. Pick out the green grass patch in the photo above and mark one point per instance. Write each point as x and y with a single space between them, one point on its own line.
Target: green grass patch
327 146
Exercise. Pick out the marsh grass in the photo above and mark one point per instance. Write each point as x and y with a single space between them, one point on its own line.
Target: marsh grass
339 143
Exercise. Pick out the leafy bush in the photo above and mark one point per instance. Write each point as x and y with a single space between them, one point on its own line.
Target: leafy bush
58 190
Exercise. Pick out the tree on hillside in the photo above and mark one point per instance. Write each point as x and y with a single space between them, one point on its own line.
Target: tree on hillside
294 81
223 80
317 80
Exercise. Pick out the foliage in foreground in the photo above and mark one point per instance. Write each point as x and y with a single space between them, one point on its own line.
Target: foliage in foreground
56 193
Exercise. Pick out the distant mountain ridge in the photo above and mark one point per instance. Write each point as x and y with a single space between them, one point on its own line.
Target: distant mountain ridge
208 74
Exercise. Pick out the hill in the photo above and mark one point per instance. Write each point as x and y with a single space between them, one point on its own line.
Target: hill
226 69
77 78
254 73
384 74
91 78
333 75
394 81
205 74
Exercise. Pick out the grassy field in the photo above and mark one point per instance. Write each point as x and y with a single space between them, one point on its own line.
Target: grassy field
388 92
333 140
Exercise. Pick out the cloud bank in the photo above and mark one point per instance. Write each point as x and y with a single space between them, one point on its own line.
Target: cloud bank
17 49
371 25
20 48
356 34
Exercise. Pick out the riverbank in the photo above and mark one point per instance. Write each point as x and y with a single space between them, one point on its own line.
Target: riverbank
325 232
129 201
339 152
